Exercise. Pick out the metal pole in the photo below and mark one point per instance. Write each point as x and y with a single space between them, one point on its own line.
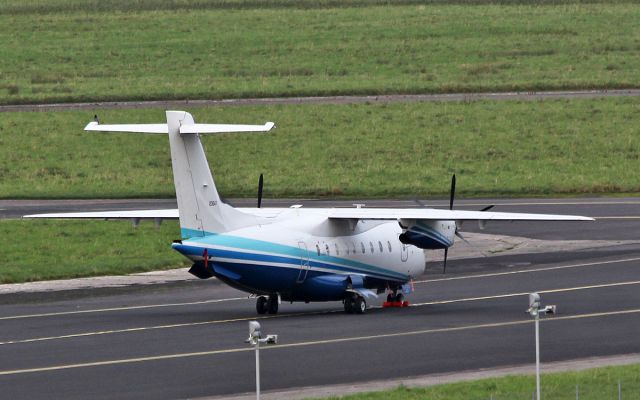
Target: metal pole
577 392
257 370
619 390
537 317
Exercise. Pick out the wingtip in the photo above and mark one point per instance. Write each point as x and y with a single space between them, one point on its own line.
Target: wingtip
269 126
90 126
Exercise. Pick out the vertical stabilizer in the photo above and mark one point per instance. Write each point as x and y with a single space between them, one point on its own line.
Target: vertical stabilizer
200 208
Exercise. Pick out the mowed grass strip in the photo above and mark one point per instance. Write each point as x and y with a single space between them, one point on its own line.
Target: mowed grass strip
44 250
137 52
592 384
551 147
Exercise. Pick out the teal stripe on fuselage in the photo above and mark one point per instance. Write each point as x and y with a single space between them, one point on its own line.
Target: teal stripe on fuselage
270 247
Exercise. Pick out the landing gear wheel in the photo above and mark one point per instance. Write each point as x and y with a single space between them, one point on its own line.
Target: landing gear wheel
261 305
399 297
390 298
360 305
349 305
272 305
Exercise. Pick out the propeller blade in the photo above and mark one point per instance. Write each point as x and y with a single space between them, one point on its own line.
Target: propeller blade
260 183
452 192
487 208
458 234
420 203
444 266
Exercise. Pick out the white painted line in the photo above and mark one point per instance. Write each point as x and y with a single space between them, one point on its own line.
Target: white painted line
100 310
309 343
502 296
537 203
528 271
620 217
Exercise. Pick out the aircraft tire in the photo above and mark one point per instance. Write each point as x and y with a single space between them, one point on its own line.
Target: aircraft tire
360 305
261 305
390 298
272 305
400 298
348 305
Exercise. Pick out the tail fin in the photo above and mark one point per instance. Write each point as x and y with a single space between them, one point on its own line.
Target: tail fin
200 208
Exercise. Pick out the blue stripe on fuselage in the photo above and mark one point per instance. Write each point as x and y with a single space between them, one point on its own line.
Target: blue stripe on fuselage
291 259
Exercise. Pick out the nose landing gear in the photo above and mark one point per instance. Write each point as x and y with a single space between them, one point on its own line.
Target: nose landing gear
395 299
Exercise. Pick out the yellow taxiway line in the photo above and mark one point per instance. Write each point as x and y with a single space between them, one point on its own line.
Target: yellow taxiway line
453 278
244 319
528 271
308 343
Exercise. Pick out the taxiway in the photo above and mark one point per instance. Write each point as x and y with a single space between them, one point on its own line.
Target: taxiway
186 339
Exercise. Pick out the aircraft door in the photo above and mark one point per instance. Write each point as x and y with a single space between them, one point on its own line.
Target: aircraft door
304 262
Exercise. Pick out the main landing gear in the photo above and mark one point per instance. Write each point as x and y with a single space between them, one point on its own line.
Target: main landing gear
267 305
354 304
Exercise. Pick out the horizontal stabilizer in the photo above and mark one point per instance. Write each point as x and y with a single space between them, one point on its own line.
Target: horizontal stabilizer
133 128
225 128
184 129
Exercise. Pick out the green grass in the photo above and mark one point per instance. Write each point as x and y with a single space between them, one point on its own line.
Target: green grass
539 148
594 384
44 250
72 50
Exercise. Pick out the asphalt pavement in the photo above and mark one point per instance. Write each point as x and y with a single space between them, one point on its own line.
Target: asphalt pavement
186 339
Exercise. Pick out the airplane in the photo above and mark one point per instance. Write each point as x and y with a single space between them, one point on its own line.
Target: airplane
294 254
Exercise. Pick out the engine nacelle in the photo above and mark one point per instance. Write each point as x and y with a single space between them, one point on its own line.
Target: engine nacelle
428 234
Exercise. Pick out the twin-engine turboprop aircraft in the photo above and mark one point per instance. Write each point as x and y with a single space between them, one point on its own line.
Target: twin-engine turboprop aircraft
294 254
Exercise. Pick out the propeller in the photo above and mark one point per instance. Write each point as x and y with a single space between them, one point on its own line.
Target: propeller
452 195
260 184
452 192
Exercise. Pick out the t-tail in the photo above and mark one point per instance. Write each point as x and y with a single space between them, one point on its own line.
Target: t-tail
201 210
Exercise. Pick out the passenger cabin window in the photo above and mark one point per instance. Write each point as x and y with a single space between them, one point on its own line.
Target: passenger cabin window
326 247
318 249
362 247
371 247
337 249
380 246
389 244
353 248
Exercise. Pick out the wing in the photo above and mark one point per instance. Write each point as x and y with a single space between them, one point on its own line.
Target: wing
129 214
444 215
148 214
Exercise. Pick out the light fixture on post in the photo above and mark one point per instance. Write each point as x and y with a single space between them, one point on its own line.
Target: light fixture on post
535 309
255 338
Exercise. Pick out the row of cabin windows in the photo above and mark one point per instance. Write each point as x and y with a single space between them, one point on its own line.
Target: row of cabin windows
352 250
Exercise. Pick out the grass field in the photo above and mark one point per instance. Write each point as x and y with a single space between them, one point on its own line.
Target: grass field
594 384
44 250
72 50
366 150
